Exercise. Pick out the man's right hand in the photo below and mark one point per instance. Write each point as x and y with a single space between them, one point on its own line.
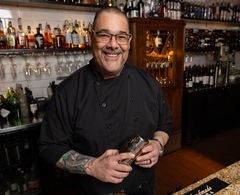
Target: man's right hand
108 166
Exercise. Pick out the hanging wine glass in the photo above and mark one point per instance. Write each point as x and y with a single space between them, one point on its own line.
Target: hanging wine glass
13 67
27 69
2 70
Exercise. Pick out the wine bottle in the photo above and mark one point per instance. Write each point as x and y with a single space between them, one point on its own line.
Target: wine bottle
141 9
14 107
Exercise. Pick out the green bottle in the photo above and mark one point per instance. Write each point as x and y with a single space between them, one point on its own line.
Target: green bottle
14 107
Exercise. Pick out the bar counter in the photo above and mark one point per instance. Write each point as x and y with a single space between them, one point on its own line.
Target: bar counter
26 124
230 175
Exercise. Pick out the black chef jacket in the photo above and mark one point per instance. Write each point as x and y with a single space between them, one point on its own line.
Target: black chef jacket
90 115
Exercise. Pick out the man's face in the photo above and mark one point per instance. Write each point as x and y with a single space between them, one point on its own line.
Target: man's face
110 56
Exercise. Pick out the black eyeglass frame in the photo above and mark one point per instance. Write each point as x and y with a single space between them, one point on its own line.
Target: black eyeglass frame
129 36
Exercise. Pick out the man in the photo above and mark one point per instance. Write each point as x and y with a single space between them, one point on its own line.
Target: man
101 106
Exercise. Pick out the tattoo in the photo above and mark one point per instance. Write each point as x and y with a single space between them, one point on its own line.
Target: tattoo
74 162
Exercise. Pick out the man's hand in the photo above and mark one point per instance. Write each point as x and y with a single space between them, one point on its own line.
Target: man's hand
108 167
150 155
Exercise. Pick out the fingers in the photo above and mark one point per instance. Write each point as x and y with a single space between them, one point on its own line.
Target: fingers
108 168
150 155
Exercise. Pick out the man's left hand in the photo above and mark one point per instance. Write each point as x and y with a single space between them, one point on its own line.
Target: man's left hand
149 156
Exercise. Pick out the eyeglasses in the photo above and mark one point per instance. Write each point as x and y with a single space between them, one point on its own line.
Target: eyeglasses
105 37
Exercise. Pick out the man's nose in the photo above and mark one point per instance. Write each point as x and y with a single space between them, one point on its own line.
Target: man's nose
113 41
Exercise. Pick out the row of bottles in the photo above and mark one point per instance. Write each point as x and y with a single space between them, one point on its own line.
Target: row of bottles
177 9
161 8
218 11
19 181
174 9
206 39
197 76
17 107
71 35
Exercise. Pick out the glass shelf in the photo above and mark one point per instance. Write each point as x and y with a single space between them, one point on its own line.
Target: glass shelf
42 51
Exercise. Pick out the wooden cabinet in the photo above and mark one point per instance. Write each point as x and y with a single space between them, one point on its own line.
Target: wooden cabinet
209 111
19 160
158 47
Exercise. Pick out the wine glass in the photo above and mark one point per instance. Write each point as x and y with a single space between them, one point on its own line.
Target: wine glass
27 68
2 70
13 67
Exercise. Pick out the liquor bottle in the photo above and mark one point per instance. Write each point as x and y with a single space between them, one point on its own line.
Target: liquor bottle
126 8
23 104
211 76
158 41
190 79
31 40
14 107
21 36
11 36
81 33
134 10
206 76
32 105
141 9
59 38
217 11
68 34
48 36
200 75
39 39
185 76
3 39
217 71
75 36
86 31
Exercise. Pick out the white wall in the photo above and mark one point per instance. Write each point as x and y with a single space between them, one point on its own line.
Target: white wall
32 17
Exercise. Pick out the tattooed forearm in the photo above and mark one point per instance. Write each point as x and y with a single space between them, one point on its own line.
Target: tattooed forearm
74 162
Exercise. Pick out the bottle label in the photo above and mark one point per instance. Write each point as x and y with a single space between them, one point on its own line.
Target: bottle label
68 38
33 108
11 41
75 39
22 39
39 41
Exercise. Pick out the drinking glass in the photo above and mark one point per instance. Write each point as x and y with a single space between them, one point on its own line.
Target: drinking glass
13 67
2 70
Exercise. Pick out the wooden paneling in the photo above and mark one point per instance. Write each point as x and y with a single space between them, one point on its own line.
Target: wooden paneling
173 93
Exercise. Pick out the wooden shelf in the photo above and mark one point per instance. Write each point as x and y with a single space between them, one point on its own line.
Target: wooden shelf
211 24
51 5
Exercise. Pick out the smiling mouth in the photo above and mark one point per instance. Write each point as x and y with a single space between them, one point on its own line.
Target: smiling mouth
112 54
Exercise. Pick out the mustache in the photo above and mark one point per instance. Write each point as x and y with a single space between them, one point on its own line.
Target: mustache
112 51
